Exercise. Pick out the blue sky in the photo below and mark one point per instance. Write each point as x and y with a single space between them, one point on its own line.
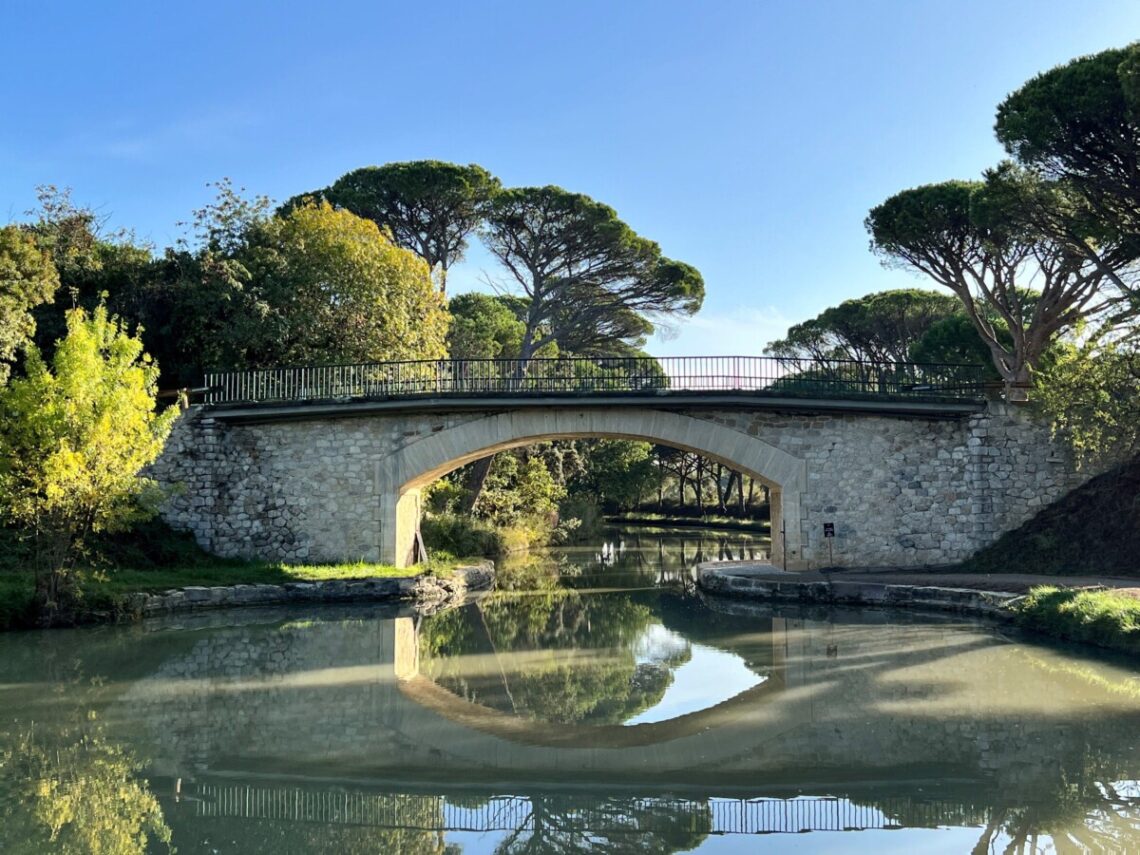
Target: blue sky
748 138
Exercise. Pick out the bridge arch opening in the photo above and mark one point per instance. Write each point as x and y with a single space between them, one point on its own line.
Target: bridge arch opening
401 477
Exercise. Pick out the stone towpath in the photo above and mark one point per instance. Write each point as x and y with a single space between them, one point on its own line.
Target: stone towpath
1013 583
988 594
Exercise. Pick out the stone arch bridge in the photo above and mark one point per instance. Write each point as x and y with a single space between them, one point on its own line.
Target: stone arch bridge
910 464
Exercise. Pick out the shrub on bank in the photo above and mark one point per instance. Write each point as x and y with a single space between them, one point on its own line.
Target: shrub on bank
1096 616
461 535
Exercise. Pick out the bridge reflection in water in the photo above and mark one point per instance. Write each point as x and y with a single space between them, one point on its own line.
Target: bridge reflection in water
580 813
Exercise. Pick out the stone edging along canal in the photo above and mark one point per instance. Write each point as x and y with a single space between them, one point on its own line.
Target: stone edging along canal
754 580
422 589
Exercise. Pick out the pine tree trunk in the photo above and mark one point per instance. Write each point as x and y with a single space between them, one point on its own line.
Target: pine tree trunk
480 469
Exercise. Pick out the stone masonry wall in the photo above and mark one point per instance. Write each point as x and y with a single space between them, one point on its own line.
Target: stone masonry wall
901 491
910 491
291 491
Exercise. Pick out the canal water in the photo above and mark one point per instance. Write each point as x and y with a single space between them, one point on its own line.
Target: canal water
595 703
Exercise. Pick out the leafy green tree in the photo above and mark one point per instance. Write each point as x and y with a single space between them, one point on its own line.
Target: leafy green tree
327 286
1079 124
1092 397
315 285
28 278
955 341
429 206
484 327
96 267
880 327
73 439
974 238
519 486
182 302
619 473
594 285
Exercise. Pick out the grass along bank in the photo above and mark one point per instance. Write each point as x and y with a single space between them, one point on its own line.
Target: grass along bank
1103 617
101 591
152 558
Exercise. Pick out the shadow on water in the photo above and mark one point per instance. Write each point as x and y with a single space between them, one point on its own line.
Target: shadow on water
593 703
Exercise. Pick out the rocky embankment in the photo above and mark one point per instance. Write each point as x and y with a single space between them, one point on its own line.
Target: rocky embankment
426 591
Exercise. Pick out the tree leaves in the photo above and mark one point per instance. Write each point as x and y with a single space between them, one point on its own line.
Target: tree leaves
590 279
427 206
27 278
74 436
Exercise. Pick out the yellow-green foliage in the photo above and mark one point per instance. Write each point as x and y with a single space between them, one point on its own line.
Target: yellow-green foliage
460 534
339 289
1098 616
74 436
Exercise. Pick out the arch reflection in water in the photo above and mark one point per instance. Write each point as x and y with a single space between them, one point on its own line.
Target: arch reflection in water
561 657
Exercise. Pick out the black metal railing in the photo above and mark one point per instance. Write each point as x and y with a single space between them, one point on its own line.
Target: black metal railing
757 375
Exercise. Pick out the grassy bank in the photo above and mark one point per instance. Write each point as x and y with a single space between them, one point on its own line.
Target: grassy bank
100 591
1095 616
151 558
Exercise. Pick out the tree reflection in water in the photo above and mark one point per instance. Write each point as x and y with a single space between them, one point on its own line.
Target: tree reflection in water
72 790
669 555
567 824
550 653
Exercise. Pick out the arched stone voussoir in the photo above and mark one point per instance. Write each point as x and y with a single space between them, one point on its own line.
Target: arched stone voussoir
402 475
425 460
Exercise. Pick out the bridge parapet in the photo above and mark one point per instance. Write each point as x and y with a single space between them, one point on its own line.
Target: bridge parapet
756 376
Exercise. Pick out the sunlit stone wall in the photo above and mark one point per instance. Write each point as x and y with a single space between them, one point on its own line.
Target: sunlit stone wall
901 491
915 492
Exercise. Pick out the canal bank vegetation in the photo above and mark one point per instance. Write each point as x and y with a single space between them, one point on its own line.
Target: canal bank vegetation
1103 617
81 533
152 558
